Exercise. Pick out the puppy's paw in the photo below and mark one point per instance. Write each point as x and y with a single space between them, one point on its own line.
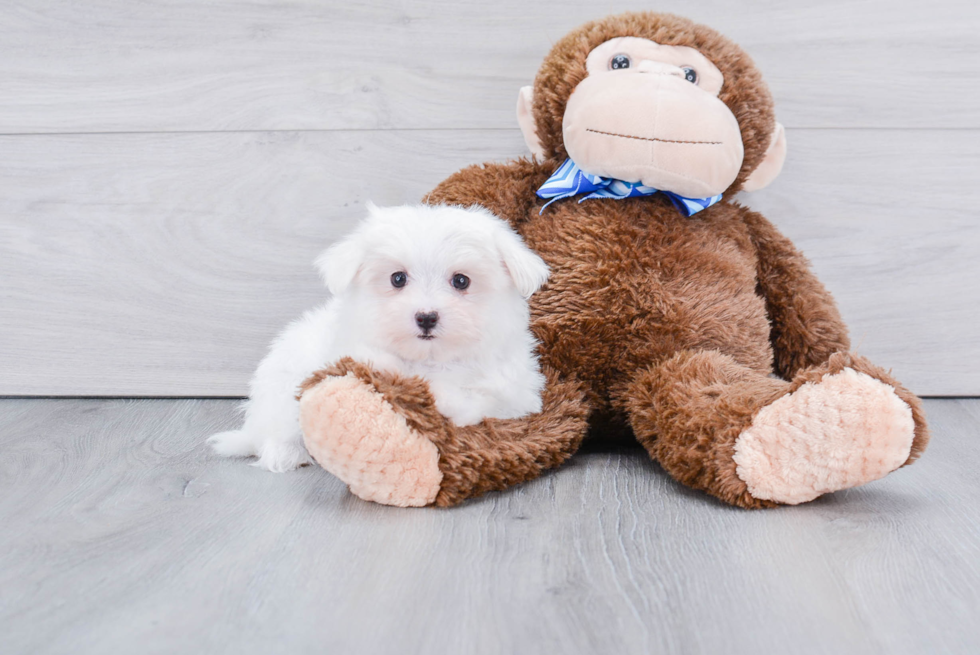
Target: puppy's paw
280 457
464 417
233 443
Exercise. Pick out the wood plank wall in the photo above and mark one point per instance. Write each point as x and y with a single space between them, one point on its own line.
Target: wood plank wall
169 170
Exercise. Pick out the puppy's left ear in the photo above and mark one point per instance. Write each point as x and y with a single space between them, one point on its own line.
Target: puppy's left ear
339 263
527 270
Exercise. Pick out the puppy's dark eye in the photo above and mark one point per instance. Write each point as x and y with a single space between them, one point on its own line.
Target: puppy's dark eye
619 61
460 281
399 279
690 74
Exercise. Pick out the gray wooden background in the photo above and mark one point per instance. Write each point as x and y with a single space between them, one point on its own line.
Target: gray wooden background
169 170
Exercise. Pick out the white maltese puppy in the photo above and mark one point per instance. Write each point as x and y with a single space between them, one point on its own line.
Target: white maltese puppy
435 291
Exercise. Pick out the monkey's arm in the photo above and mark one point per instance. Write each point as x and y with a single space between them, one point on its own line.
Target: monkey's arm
806 326
382 434
507 190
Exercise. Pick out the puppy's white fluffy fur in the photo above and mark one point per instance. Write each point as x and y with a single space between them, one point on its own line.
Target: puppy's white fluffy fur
479 358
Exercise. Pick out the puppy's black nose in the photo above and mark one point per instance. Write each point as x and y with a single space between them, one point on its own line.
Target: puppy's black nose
427 320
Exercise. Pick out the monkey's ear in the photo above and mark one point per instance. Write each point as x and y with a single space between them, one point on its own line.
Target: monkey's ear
525 118
339 263
772 162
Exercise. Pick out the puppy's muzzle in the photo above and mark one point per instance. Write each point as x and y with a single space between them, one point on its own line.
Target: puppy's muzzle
427 323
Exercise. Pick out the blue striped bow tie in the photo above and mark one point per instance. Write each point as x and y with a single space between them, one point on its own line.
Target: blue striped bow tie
570 180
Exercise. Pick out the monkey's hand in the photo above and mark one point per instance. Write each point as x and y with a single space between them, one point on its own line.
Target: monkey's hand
382 435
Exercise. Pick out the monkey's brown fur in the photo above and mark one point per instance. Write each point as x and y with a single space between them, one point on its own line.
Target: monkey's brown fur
493 455
670 324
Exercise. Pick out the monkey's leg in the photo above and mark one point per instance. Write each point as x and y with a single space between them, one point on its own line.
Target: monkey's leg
382 435
755 441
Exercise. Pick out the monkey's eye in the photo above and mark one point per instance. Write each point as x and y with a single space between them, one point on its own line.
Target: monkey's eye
399 279
619 61
690 74
460 282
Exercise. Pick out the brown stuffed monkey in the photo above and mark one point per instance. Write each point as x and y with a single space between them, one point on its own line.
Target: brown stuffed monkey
670 310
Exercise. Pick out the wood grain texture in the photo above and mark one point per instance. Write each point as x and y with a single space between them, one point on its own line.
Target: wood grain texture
173 65
121 533
162 264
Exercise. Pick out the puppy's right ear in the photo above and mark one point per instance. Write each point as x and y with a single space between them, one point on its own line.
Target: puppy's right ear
339 263
526 268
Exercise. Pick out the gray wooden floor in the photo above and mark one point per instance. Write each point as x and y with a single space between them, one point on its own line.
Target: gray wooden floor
121 533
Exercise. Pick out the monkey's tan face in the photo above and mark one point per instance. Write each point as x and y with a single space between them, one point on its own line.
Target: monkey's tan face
650 113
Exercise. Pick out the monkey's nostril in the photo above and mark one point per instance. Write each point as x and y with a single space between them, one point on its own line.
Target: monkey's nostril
426 320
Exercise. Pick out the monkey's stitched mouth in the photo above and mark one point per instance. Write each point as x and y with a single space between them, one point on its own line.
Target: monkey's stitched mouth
645 138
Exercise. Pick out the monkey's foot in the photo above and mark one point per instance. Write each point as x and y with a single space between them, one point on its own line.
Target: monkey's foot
841 431
352 432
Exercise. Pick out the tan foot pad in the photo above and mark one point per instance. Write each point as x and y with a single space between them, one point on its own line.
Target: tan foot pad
352 432
842 432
